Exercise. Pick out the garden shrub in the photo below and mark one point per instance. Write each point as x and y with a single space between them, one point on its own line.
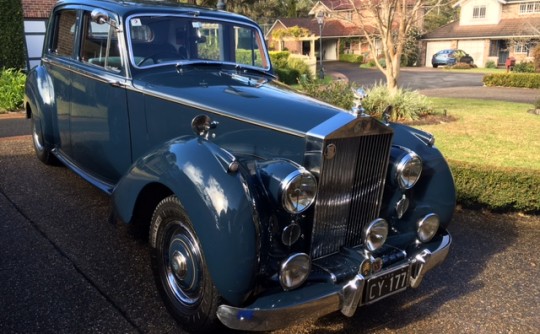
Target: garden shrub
524 67
497 188
289 69
11 89
300 66
287 75
407 105
337 93
279 58
461 66
351 58
491 64
523 80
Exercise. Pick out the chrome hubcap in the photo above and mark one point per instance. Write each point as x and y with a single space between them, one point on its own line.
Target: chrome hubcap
179 265
183 264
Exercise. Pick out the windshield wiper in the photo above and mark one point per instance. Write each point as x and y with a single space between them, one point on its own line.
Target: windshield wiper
244 69
240 69
180 66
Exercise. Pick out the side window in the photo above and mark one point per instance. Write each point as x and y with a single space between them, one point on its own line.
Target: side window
64 33
99 45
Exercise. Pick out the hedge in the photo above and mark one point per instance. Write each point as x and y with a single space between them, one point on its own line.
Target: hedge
11 35
287 75
523 80
351 58
497 188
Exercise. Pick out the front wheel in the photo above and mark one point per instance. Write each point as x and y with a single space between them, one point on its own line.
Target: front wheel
180 269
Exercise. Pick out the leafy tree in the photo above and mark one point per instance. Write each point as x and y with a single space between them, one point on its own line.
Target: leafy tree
439 15
386 26
263 11
11 35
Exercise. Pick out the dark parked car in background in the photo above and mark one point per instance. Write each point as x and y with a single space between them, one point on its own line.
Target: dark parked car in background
451 57
262 206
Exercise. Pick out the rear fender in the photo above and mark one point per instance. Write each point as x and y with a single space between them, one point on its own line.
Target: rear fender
39 101
217 202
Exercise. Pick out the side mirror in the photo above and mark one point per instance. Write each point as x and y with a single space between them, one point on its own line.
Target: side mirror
99 16
201 40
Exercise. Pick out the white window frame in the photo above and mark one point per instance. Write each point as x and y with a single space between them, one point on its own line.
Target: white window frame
479 12
521 48
529 8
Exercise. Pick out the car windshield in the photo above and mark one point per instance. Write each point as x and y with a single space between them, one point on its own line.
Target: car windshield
159 39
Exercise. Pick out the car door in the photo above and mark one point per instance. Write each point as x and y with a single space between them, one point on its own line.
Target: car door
58 61
99 120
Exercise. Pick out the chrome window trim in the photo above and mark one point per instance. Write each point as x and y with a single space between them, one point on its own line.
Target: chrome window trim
186 16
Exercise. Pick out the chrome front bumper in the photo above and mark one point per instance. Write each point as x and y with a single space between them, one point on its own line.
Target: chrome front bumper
281 310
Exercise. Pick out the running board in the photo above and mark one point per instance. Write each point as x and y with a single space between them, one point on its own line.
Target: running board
106 187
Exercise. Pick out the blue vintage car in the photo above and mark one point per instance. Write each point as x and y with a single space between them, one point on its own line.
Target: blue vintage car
263 206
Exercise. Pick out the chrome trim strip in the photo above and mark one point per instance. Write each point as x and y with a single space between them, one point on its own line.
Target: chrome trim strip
176 99
192 17
171 98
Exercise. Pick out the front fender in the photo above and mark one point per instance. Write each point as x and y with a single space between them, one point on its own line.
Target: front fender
436 188
218 204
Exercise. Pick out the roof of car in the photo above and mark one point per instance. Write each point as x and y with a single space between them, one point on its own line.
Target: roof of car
126 8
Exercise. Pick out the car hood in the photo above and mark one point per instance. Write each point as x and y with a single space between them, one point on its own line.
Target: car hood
257 99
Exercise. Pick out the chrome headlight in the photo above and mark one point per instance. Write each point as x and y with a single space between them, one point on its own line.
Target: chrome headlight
375 234
427 227
294 271
290 185
408 170
298 191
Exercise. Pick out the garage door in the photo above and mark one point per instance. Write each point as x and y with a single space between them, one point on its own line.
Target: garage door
433 47
475 49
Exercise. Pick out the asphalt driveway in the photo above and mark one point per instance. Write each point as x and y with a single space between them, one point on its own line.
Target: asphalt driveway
436 82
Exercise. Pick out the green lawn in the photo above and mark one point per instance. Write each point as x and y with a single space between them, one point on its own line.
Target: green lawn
493 133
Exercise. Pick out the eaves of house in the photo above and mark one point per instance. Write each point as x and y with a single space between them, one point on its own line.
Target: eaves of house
331 28
506 28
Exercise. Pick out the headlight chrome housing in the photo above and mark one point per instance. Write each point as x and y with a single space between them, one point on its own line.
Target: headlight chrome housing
427 227
408 170
375 234
298 191
294 271
288 184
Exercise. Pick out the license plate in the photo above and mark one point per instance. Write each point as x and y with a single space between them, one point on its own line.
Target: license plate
386 284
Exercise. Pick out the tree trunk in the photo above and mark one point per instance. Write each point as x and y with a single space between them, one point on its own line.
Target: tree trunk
391 73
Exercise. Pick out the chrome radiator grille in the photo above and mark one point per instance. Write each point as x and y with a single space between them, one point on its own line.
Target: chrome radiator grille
351 185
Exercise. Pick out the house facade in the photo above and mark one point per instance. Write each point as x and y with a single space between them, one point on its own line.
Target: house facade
36 13
342 31
489 30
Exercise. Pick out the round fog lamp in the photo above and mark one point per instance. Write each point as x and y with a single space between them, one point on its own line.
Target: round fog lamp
294 271
427 227
375 234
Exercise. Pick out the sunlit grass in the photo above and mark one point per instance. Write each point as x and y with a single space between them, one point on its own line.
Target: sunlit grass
492 133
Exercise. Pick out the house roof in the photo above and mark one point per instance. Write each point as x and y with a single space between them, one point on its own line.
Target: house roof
340 4
507 28
331 28
504 2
